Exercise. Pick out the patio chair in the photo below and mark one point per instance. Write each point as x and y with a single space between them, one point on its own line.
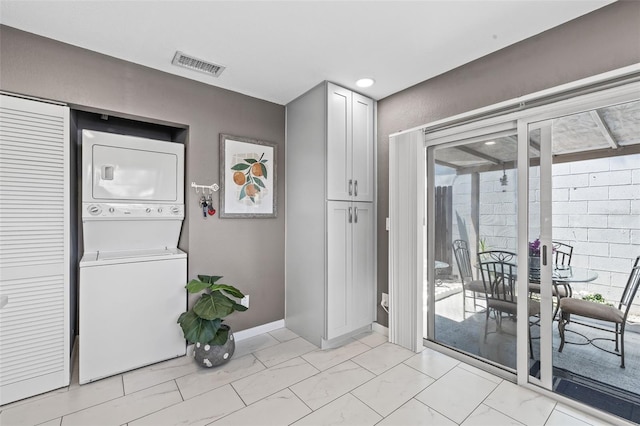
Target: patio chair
562 254
603 313
499 271
463 259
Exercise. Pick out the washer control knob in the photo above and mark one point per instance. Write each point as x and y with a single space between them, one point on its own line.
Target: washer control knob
159 209
148 210
94 210
175 209
111 210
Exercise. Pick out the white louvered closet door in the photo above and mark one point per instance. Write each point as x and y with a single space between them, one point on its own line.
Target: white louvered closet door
34 248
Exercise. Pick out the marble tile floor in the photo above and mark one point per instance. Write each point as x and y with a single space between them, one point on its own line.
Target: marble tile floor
278 378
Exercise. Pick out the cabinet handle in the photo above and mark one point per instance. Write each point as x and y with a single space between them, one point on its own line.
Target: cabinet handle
355 215
350 187
355 188
350 215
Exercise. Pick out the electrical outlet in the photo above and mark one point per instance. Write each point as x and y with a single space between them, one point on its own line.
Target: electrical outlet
385 300
245 301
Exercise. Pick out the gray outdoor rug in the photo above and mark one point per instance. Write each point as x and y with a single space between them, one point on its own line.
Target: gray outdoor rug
583 360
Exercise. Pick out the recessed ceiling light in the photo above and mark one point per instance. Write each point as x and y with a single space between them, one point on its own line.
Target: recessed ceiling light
365 82
490 143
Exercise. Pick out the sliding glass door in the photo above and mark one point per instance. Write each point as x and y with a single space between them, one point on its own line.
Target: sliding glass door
532 232
471 205
583 214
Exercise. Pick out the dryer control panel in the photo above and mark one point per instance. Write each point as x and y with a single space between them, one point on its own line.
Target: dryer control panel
115 211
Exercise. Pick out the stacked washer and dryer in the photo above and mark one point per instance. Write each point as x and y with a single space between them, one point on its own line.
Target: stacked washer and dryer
132 275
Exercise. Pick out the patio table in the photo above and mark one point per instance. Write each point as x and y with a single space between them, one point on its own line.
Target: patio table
565 275
573 274
440 265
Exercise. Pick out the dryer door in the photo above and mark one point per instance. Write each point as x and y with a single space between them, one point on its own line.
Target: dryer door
130 169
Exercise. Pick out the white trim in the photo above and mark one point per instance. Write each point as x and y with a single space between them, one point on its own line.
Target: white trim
258 330
522 223
406 219
32 98
248 333
623 93
341 340
379 328
598 78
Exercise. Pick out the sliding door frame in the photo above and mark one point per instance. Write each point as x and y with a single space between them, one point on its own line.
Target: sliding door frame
560 101
540 117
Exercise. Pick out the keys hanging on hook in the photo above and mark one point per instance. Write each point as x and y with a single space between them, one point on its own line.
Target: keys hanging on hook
210 208
204 205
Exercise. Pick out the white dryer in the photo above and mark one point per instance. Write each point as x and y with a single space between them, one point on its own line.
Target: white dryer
132 275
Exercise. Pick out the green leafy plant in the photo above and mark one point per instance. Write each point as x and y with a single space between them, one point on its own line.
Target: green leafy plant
597 297
483 244
203 322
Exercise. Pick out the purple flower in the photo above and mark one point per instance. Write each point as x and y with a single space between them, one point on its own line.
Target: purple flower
534 247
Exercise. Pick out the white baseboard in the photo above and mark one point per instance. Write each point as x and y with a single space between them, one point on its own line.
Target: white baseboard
260 329
250 332
380 329
275 325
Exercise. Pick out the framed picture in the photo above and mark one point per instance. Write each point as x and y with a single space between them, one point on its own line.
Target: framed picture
248 176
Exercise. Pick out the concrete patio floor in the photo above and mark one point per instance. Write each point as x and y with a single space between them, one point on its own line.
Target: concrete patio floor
466 333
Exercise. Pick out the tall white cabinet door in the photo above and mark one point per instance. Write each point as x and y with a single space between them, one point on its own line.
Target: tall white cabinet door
339 293
362 304
339 140
362 148
34 254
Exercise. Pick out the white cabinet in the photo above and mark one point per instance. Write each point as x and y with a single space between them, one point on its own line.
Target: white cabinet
34 248
330 232
350 145
350 266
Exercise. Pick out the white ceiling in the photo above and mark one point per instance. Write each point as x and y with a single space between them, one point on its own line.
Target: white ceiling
277 50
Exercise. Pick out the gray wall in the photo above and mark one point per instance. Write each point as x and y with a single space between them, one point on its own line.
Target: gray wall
249 253
601 41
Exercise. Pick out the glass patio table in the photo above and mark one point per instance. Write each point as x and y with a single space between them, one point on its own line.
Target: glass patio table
440 265
573 274
565 275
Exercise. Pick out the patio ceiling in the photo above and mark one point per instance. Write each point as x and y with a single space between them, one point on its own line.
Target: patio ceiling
605 132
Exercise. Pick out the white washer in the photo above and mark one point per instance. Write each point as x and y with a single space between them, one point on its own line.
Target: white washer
132 275
128 311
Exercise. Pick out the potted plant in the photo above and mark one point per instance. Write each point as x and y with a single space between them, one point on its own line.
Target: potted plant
202 324
534 258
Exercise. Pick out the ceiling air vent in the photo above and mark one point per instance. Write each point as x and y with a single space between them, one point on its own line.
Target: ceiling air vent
185 61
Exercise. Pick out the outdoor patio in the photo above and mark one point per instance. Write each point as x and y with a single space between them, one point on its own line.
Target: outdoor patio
466 333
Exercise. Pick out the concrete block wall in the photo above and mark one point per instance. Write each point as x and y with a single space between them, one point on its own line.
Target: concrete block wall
498 220
596 208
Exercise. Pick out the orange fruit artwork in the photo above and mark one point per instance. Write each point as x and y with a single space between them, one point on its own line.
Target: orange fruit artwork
251 190
239 178
256 169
